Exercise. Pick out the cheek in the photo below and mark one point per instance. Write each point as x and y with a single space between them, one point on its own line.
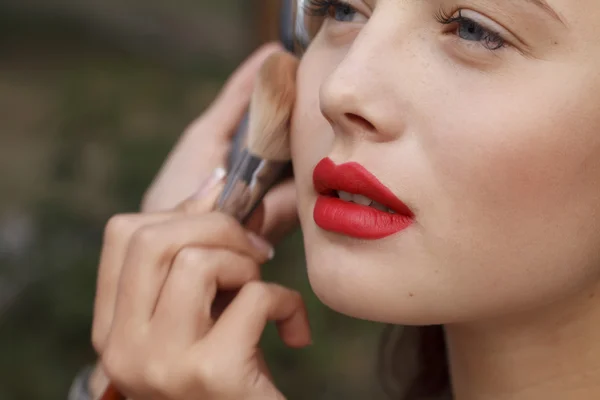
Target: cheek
520 199
311 134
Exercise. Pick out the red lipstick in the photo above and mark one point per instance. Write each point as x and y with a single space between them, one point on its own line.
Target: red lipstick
359 221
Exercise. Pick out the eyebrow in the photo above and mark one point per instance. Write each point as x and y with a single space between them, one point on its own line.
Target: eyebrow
546 7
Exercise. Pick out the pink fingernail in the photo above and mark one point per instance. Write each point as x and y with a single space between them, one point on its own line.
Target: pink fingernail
209 184
262 245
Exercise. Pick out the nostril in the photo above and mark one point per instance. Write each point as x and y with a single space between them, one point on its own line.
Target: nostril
360 121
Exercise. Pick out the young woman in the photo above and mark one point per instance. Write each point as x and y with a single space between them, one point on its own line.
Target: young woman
470 129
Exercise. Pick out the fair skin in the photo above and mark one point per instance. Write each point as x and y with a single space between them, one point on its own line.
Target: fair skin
491 139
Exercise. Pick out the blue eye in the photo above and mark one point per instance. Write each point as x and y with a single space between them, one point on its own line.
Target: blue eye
342 12
335 9
471 31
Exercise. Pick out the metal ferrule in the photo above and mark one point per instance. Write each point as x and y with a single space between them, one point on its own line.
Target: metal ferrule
247 184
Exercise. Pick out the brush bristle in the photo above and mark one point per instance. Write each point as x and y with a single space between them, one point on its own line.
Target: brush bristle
271 108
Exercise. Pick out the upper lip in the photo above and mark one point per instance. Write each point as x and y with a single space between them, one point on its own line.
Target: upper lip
353 178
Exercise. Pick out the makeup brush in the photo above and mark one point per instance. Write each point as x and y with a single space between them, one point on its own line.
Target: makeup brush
267 146
266 153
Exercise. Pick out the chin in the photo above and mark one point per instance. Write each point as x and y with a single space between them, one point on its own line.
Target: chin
363 280
397 281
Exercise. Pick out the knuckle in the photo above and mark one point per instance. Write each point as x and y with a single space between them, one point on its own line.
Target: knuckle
156 376
206 374
116 366
119 225
213 376
146 237
195 258
188 257
224 224
296 297
256 290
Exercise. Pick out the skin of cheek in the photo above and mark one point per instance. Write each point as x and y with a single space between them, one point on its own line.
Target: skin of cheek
508 203
520 222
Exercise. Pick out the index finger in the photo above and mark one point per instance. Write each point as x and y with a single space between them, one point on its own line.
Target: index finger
241 325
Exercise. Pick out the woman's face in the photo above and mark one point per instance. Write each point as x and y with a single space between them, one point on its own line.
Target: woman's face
483 117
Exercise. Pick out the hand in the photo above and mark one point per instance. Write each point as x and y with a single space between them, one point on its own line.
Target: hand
154 324
204 146
202 149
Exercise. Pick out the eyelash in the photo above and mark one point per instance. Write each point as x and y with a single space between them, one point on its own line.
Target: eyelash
491 40
320 8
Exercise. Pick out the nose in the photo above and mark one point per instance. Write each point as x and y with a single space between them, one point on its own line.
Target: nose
362 96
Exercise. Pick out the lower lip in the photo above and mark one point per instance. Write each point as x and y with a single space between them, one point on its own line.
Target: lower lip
358 221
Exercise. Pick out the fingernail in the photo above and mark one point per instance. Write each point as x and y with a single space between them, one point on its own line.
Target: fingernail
213 180
262 245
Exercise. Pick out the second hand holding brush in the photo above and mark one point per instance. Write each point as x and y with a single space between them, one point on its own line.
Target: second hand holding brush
207 369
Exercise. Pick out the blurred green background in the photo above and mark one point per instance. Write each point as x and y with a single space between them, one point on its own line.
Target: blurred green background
93 94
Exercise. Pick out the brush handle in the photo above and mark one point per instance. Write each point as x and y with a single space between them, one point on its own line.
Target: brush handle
247 183
111 393
237 143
